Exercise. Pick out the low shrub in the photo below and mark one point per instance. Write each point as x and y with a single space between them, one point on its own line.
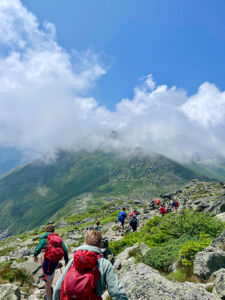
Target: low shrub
188 251
178 275
188 230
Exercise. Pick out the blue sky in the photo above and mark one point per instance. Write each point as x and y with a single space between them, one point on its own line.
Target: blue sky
180 42
113 75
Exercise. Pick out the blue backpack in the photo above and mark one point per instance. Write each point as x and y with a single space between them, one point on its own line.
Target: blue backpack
121 216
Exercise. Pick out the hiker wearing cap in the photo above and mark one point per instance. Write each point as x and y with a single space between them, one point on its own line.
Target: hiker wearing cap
93 273
54 249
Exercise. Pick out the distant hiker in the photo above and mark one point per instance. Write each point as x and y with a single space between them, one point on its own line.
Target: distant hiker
54 249
121 218
98 227
176 205
168 209
157 202
162 210
168 202
133 222
134 212
88 274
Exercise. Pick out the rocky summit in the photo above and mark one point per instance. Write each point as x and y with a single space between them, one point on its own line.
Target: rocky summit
179 256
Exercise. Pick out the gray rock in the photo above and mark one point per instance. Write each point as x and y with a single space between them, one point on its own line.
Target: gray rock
9 292
4 259
221 216
144 248
208 261
219 279
21 253
142 282
29 267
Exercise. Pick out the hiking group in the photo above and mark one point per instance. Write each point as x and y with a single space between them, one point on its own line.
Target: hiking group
165 207
85 277
133 219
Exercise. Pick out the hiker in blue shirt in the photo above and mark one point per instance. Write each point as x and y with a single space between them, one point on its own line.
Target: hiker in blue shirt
121 218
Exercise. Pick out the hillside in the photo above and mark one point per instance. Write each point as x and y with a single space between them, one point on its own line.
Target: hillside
180 256
74 181
213 169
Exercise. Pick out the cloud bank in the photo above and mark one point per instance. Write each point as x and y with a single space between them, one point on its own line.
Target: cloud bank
45 101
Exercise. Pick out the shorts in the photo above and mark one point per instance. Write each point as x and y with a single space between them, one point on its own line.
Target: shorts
48 270
122 222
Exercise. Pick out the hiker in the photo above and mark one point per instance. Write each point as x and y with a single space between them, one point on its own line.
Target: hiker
176 205
168 209
162 210
157 202
121 218
98 227
133 222
134 212
51 243
82 269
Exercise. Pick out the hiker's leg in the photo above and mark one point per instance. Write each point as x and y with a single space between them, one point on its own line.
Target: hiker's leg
48 289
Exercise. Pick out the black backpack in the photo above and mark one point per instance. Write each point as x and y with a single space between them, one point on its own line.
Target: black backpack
133 220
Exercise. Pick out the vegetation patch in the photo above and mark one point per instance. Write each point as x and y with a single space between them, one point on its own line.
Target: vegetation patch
175 237
6 251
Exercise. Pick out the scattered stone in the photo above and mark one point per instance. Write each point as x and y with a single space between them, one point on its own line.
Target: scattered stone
9 292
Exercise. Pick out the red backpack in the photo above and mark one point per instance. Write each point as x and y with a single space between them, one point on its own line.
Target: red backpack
54 249
162 210
81 280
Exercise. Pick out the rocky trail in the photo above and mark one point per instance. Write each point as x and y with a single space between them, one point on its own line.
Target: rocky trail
140 281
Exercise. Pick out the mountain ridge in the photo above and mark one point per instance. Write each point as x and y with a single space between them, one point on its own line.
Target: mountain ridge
33 193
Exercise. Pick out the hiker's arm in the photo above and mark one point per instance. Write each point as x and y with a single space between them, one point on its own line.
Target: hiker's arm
58 286
65 253
115 289
39 247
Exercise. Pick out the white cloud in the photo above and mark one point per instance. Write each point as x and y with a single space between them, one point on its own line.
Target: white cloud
45 101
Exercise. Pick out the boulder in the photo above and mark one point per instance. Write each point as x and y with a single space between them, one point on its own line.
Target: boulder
144 248
208 261
142 282
218 206
219 279
221 216
124 256
9 292
21 253
29 267
4 259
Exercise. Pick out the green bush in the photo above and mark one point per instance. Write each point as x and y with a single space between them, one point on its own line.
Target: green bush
162 257
167 236
178 275
188 251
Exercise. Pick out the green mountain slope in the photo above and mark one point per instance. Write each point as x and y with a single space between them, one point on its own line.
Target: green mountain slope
214 170
33 193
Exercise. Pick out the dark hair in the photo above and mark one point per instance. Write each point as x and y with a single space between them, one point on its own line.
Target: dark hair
50 228
123 208
97 223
